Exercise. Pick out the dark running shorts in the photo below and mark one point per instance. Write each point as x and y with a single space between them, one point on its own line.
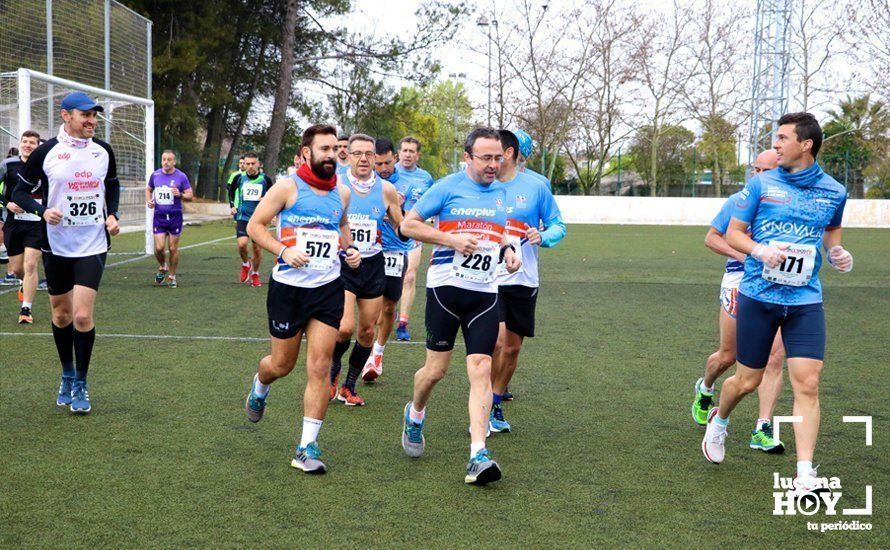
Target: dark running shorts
366 282
63 273
516 308
803 331
475 313
290 307
19 235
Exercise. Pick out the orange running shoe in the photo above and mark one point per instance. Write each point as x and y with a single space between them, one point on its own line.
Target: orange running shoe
25 317
349 397
255 280
245 272
21 294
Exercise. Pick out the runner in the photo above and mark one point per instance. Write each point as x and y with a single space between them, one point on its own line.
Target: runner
166 189
530 205
342 154
23 235
372 199
769 390
462 290
395 257
526 148
245 193
77 176
305 289
792 211
413 183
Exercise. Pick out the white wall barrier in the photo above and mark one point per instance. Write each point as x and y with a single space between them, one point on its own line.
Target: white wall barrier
690 211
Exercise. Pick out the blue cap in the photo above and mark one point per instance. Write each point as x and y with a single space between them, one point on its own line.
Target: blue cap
80 101
526 145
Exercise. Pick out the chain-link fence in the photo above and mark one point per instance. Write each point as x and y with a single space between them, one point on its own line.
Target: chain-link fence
96 43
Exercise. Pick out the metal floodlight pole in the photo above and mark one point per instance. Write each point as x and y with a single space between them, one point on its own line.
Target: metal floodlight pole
483 22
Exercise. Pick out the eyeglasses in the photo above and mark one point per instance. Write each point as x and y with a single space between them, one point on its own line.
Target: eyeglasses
360 154
488 159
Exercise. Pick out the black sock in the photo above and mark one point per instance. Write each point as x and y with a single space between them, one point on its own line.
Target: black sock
64 337
83 350
339 350
357 360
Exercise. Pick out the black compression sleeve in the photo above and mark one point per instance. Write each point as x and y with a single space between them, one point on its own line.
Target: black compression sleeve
112 195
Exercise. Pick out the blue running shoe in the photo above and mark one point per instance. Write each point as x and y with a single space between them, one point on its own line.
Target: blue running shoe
402 333
254 405
496 422
10 280
64 397
307 459
482 470
80 398
412 435
508 395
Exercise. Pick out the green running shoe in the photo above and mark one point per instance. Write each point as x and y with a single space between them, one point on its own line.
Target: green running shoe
159 276
702 403
762 439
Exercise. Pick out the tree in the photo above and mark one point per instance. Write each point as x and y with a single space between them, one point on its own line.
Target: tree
663 69
717 146
815 38
717 96
857 135
283 91
610 71
672 156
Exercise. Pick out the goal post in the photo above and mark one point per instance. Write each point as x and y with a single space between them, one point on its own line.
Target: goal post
30 100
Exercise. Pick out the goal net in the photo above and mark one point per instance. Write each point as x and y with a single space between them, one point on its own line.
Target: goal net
30 100
49 48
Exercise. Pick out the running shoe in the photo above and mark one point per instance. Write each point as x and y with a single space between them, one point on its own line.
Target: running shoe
10 280
64 397
702 403
496 422
25 317
159 276
255 280
307 459
508 395
762 438
41 284
254 405
245 273
413 441
80 398
402 333
170 282
334 385
21 294
809 485
482 470
349 398
373 368
712 444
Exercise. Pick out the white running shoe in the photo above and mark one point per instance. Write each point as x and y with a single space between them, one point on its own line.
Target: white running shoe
712 444
373 368
809 485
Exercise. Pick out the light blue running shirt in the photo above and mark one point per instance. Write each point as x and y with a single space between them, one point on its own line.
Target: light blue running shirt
795 208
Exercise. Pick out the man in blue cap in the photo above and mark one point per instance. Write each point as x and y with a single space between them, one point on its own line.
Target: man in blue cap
77 177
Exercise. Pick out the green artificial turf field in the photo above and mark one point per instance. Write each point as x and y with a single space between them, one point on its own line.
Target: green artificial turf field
604 450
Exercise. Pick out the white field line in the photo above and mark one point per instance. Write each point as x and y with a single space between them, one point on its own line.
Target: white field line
177 337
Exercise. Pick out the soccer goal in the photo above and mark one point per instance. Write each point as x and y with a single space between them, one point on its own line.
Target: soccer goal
31 100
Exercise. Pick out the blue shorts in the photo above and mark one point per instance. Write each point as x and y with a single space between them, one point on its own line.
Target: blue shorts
803 331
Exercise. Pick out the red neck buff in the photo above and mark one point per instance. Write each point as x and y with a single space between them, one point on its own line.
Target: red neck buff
307 175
